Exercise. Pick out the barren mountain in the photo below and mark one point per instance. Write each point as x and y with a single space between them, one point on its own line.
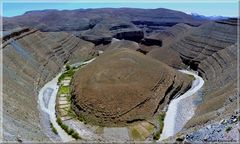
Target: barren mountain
83 19
125 86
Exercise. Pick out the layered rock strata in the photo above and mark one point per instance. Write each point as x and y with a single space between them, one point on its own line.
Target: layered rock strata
211 49
124 86
30 59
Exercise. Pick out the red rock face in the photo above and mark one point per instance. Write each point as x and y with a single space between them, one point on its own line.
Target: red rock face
122 86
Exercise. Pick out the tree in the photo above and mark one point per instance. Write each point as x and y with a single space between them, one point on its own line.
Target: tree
68 67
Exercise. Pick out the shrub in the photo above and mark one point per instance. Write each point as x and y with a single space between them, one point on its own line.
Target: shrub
65 127
180 139
64 90
76 135
54 130
68 67
228 129
68 73
156 135
82 118
71 131
59 121
71 113
161 121
161 124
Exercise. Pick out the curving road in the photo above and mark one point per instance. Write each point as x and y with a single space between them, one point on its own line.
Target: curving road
181 109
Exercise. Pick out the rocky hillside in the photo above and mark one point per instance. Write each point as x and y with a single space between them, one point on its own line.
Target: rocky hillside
124 86
30 59
211 49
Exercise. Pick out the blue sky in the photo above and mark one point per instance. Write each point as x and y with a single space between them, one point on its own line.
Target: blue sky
203 8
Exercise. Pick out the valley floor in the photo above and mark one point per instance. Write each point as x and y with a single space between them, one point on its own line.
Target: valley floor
181 109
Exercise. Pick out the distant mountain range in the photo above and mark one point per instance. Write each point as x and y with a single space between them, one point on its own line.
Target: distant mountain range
83 19
196 15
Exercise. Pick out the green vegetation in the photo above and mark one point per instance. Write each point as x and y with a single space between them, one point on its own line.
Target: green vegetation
228 129
68 73
191 77
64 90
54 130
71 131
71 113
67 129
150 128
135 134
69 98
59 121
82 118
161 124
161 121
76 135
68 67
157 135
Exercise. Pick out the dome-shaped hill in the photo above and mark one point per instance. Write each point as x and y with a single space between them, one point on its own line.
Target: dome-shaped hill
123 86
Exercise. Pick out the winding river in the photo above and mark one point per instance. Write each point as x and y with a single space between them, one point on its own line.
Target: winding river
47 101
181 109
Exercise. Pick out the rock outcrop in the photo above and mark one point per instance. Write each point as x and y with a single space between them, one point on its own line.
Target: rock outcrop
30 59
123 86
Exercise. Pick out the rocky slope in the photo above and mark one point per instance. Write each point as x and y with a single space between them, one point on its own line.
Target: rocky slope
124 86
30 59
211 49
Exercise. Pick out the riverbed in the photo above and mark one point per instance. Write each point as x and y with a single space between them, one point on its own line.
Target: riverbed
181 109
47 101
